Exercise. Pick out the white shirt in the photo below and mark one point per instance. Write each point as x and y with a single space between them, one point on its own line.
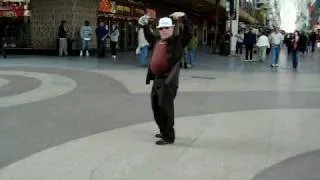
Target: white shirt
142 42
263 41
276 38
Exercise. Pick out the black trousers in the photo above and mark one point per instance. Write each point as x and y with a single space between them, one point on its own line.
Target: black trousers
162 100
249 51
113 46
101 48
2 48
239 48
313 45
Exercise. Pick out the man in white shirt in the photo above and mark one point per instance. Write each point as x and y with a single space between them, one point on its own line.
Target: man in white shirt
276 39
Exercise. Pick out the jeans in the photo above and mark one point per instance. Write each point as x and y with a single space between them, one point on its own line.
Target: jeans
85 45
144 55
295 58
275 54
191 56
239 48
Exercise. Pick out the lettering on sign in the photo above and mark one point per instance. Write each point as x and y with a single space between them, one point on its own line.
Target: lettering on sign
123 9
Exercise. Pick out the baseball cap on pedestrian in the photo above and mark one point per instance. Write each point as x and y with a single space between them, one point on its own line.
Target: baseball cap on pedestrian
165 22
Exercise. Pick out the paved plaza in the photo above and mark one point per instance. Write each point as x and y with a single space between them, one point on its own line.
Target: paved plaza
77 118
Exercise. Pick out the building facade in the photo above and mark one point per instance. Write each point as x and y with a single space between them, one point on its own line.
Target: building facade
33 24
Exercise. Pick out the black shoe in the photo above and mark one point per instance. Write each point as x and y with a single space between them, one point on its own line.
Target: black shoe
164 142
158 136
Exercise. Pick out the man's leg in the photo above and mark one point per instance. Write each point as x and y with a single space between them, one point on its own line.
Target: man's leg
247 52
277 55
313 44
263 53
251 51
166 98
155 105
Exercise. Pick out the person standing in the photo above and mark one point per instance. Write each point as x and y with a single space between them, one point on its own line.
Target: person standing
101 33
240 38
163 70
3 43
143 44
263 44
275 41
63 41
86 33
250 40
313 40
296 46
114 38
191 50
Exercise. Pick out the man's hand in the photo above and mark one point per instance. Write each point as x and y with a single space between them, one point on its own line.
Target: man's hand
177 15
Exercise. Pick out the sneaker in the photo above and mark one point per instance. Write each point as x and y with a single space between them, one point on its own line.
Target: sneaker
114 58
272 65
81 53
87 53
277 65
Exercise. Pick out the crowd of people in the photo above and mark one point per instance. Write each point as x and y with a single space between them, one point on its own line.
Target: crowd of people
271 42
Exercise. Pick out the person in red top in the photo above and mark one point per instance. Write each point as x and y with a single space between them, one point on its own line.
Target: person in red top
164 68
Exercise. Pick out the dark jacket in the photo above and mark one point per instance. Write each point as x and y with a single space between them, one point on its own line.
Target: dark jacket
175 50
62 33
250 38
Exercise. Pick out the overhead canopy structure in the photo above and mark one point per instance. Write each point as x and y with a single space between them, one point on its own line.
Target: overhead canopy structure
206 6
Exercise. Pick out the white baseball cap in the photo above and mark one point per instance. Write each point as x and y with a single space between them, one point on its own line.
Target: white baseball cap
165 22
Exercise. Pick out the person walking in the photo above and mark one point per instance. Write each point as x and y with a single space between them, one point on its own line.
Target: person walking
250 40
296 46
114 38
313 40
263 44
276 39
86 33
163 70
191 50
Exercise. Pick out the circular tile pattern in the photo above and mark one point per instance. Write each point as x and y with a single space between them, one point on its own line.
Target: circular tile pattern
3 82
52 85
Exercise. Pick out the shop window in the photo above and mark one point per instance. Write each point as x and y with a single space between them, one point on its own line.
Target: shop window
15 23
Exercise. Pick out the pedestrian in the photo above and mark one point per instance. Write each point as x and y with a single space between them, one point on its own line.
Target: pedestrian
296 46
276 40
114 38
163 70
313 40
250 40
191 50
240 38
143 44
263 44
101 33
3 43
63 41
86 33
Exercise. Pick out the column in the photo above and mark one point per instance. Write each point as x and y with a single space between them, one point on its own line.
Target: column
46 16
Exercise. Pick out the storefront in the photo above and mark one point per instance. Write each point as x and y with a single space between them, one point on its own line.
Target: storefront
15 23
126 15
